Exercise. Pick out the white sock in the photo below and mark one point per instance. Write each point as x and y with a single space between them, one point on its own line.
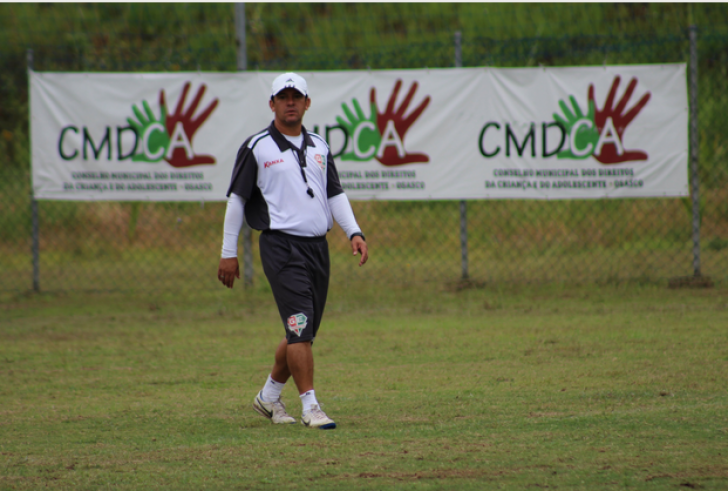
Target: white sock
308 399
271 390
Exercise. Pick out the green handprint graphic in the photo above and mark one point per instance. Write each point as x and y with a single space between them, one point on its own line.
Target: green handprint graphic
363 132
581 130
152 137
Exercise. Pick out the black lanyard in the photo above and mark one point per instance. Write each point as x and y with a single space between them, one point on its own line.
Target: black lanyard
300 154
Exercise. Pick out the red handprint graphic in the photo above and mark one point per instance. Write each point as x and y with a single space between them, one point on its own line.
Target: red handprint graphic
613 152
393 153
182 154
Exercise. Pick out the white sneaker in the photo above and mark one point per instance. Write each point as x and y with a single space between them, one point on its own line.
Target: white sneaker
316 418
275 411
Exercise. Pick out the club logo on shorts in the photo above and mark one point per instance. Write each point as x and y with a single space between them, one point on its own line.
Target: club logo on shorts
297 323
320 161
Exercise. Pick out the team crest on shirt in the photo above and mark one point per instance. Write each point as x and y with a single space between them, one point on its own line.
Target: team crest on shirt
297 323
320 161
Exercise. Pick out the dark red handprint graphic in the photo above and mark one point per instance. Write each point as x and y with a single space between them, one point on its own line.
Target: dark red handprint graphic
610 152
396 154
182 156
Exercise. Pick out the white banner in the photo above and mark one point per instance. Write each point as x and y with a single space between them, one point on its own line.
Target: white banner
466 133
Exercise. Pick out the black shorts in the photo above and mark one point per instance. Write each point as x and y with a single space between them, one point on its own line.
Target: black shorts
297 269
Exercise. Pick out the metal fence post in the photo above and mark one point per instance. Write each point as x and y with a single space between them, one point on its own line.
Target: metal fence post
242 65
463 204
35 243
240 36
694 147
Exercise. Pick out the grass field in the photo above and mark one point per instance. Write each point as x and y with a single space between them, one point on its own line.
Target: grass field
548 387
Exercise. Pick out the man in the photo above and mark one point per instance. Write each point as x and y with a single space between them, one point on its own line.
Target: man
285 183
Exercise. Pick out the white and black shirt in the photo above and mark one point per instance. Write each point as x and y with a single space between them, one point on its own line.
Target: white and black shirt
270 181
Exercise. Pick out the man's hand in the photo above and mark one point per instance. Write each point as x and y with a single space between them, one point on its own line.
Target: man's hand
229 269
358 245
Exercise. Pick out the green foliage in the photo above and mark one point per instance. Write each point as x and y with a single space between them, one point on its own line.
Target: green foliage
15 207
717 244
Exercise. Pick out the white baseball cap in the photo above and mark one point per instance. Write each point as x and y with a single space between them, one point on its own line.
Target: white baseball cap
289 80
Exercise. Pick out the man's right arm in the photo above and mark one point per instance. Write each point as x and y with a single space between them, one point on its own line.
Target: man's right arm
242 184
234 214
229 268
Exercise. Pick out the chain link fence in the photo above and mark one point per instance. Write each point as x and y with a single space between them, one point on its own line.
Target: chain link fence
144 245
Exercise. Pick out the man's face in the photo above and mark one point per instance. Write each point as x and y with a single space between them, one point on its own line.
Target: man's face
289 106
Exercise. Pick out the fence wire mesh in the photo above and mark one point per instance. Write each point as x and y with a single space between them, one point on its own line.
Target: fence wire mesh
144 245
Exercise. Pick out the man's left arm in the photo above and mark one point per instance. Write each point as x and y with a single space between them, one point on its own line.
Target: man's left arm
342 212
344 216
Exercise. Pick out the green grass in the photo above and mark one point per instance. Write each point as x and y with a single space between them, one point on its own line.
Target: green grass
551 387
